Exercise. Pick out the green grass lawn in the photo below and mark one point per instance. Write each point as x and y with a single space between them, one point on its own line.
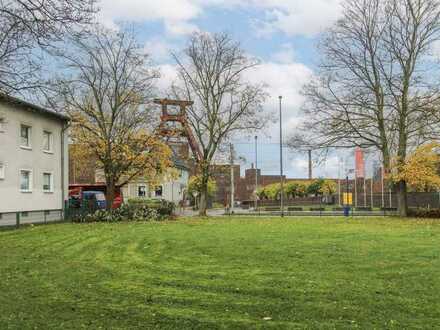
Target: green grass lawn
222 273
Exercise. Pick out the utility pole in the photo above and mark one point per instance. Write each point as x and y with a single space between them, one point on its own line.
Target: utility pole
256 173
281 160
232 179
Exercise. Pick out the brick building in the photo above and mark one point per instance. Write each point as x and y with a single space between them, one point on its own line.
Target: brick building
245 186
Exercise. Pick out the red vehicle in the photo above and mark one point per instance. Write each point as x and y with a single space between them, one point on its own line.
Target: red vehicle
76 192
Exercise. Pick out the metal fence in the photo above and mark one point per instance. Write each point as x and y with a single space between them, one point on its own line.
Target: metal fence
16 219
387 200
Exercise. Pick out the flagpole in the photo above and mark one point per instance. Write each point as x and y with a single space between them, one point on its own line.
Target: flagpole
355 189
339 182
372 187
365 192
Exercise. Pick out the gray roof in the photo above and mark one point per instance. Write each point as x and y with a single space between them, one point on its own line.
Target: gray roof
32 107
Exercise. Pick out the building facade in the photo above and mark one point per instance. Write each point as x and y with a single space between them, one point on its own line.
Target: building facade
172 187
33 157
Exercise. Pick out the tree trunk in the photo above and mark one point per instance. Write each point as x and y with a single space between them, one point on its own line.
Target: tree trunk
203 203
402 200
110 193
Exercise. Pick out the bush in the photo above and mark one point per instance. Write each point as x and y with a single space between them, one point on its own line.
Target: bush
424 213
130 212
162 206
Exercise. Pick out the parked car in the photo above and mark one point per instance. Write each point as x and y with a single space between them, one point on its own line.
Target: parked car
94 199
90 199
78 193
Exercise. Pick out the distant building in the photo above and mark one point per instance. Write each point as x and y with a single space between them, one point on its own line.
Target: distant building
244 186
33 157
172 187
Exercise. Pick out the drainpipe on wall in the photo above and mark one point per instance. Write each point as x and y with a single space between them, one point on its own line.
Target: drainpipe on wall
63 184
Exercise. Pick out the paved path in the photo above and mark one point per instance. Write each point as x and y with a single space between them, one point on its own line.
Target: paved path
188 212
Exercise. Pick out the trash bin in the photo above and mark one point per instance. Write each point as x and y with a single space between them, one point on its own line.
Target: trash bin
346 211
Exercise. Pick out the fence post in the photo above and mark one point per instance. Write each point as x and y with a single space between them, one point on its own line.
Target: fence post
45 216
17 220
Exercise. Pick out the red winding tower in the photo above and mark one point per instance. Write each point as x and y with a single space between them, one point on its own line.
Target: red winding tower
181 118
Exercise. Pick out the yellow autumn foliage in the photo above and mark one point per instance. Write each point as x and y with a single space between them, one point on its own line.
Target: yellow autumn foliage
421 169
127 155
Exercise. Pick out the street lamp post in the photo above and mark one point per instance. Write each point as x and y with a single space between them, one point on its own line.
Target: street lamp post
281 160
256 174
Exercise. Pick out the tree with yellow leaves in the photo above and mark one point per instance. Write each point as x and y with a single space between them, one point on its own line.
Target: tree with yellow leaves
106 93
328 187
421 169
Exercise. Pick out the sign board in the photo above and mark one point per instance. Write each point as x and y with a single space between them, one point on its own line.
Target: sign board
347 199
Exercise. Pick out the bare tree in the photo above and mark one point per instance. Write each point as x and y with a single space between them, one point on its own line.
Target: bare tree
106 89
377 86
29 26
212 74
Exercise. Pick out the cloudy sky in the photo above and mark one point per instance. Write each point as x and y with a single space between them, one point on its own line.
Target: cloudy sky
281 33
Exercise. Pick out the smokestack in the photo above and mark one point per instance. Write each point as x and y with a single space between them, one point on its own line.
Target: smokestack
359 163
310 165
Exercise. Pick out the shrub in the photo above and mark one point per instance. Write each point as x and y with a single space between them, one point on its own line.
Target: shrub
424 213
162 206
134 211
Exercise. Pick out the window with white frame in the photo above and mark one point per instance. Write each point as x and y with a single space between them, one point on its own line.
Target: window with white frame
47 182
25 180
142 191
25 136
2 170
159 191
47 141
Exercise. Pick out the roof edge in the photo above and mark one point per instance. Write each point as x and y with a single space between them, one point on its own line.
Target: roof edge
32 107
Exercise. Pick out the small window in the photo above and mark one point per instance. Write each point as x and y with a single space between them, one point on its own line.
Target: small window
25 180
47 141
2 124
25 136
159 191
142 191
2 171
47 182
25 214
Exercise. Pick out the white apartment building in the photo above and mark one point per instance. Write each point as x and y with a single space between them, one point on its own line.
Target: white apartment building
33 157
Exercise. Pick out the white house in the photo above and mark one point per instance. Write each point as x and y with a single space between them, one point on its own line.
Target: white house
33 157
171 188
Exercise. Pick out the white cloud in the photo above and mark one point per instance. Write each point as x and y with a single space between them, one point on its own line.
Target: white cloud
285 79
285 54
159 49
168 75
435 50
176 14
292 17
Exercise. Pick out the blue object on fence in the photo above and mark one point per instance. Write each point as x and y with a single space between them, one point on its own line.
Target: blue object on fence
346 211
